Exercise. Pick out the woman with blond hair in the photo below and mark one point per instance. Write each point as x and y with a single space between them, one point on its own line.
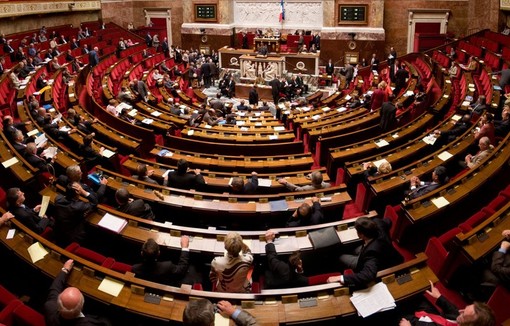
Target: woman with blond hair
231 273
379 96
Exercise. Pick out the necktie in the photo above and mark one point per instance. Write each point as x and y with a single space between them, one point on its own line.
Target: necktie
435 318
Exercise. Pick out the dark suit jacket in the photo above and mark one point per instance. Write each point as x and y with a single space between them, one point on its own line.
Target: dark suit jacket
316 217
367 266
500 267
280 274
38 162
253 97
70 219
189 180
52 315
250 186
330 68
30 218
388 116
93 58
423 190
137 208
163 272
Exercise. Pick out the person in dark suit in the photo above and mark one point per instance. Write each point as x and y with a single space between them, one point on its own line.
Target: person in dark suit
2 66
330 68
165 272
184 178
420 188
306 214
238 186
245 41
94 57
92 157
144 174
504 79
74 175
502 127
479 106
281 274
8 49
479 314
275 89
35 160
253 96
348 71
374 63
41 82
401 76
28 216
206 73
458 129
388 115
242 106
64 305
372 256
10 127
70 213
136 207
392 56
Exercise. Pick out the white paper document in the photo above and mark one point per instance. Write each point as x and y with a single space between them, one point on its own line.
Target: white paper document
10 234
445 156
10 162
347 235
379 162
108 153
111 286
49 152
44 205
430 139
374 299
37 252
381 143
264 182
440 202
156 113
279 128
113 223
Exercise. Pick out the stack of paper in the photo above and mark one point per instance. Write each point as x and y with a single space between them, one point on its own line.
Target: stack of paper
430 139
107 153
113 223
374 299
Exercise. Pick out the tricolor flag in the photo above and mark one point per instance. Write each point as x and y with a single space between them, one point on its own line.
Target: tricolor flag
282 13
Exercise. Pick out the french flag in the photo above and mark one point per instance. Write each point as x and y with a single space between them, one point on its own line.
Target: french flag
282 13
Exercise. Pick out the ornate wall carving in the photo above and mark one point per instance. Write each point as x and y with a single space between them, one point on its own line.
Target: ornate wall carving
33 8
299 14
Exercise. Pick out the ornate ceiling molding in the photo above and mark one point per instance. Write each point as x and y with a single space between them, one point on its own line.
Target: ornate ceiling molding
13 9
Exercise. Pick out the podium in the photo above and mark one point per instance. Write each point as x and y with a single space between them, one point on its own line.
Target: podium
265 67
272 43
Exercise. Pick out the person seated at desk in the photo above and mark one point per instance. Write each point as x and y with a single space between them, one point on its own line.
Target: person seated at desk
479 314
500 267
70 213
144 174
229 273
91 157
307 215
10 127
472 65
242 106
201 312
74 175
315 177
27 216
184 178
125 96
135 207
112 107
479 106
281 274
6 217
33 158
238 186
165 272
458 129
262 51
486 128
211 119
217 105
124 115
472 161
375 254
420 188
370 170
64 305
502 127
79 121
264 106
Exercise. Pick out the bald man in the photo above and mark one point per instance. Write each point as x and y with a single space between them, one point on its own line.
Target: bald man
64 305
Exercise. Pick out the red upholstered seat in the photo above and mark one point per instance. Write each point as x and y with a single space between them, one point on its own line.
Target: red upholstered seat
499 304
88 254
473 221
5 297
23 315
360 204
121 267
340 176
498 202
7 313
321 278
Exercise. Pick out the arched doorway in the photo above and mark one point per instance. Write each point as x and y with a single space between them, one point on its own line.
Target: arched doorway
426 21
161 20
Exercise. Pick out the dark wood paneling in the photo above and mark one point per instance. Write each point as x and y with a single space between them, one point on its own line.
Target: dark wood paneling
213 41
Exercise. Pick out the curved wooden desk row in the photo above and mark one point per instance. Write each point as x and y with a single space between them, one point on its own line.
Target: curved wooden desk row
329 117
259 137
246 206
398 178
219 181
458 192
20 169
225 163
211 241
402 135
401 155
271 308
